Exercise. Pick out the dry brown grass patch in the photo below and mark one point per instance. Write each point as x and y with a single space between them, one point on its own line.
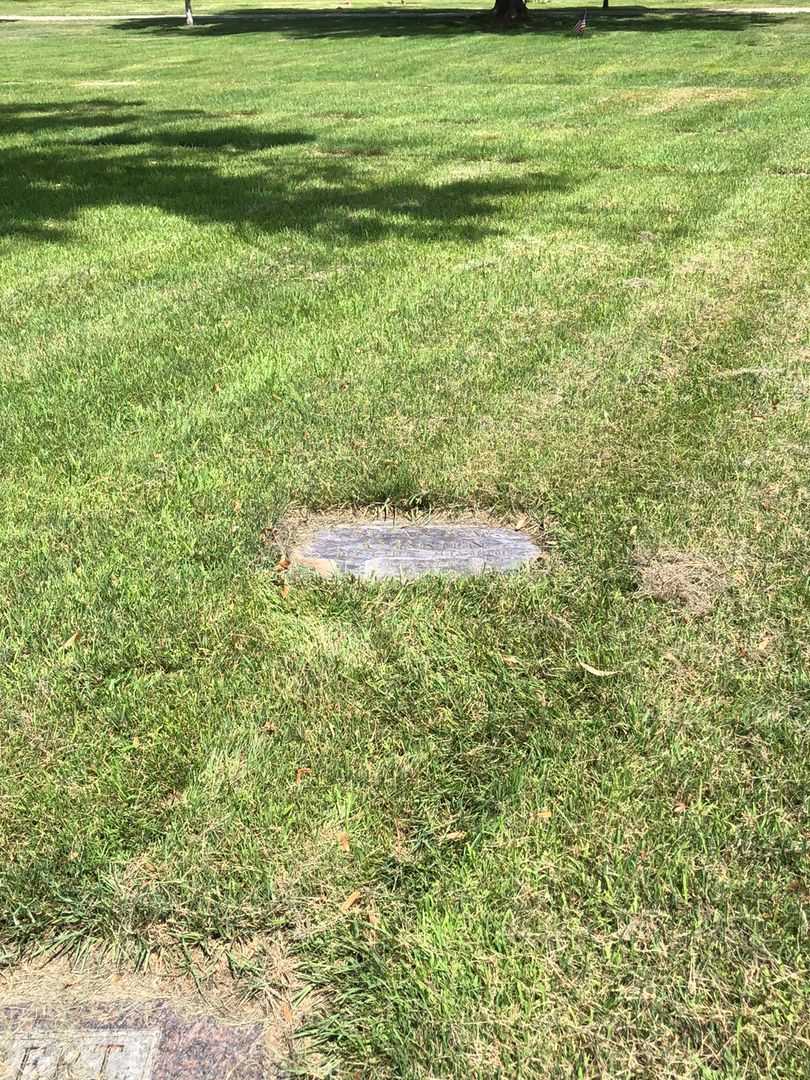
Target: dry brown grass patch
247 981
679 96
690 581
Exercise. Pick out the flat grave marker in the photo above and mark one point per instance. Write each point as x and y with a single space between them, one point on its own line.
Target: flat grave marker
103 1055
381 550
128 1040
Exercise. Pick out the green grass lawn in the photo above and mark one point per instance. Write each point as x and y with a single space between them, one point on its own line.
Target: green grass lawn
322 262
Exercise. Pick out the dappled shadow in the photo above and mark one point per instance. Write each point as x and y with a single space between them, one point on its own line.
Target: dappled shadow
383 22
218 138
26 108
240 175
40 117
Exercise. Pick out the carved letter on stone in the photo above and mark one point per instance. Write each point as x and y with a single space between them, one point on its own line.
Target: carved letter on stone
29 1058
109 1050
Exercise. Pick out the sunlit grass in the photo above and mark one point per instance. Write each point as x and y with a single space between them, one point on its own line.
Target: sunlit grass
313 265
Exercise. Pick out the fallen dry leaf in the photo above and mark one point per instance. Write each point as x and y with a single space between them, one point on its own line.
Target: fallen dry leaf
343 841
543 815
596 671
136 742
286 1012
285 591
351 900
282 565
680 807
458 835
300 773
71 641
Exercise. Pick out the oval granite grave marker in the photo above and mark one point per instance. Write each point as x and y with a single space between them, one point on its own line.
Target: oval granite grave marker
382 550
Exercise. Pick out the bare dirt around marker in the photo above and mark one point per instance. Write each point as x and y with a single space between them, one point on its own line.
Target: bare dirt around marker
373 543
299 525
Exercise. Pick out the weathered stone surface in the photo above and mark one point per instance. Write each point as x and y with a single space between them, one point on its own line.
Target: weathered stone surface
108 1053
126 1041
408 551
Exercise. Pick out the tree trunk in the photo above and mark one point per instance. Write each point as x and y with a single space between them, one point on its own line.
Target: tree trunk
510 10
189 15
604 5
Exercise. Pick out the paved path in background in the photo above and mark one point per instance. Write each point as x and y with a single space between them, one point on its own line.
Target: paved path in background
315 13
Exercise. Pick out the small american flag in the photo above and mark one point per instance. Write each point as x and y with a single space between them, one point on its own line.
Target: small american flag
582 24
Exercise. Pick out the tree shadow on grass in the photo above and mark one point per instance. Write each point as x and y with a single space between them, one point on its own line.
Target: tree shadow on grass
241 175
344 23
219 138
41 117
